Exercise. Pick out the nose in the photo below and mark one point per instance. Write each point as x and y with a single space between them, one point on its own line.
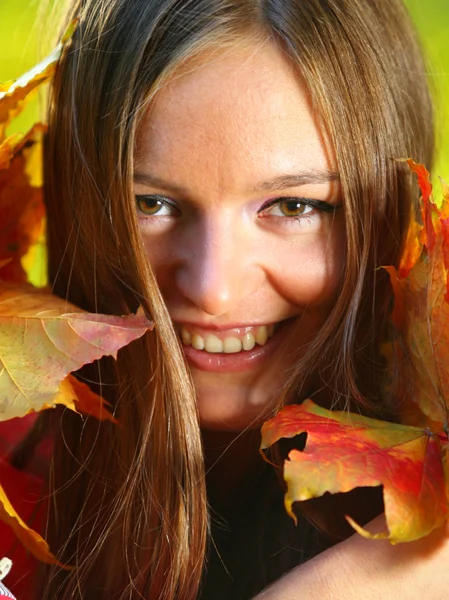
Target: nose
219 269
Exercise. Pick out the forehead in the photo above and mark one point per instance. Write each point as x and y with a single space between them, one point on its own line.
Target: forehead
238 116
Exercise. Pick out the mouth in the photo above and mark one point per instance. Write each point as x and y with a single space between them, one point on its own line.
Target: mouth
231 341
230 350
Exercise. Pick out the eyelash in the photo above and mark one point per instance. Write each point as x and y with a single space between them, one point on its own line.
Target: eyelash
317 205
157 198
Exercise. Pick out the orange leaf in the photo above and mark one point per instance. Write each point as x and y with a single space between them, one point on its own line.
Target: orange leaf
44 338
7 150
421 308
29 538
21 206
344 451
13 94
417 231
80 398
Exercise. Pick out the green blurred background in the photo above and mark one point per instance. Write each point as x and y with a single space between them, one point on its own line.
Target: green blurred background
20 36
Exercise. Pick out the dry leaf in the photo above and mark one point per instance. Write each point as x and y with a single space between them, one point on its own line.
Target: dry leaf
80 398
43 339
8 149
21 205
14 94
421 309
344 451
29 538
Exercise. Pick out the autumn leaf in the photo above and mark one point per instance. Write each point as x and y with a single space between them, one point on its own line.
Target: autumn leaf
21 205
13 94
80 398
12 98
8 148
344 451
29 538
421 309
416 232
43 339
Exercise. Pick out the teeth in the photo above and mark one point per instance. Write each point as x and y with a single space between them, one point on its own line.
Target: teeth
186 337
230 345
213 344
248 342
262 335
197 341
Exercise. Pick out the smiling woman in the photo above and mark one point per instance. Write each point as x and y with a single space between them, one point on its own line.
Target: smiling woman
239 206
228 165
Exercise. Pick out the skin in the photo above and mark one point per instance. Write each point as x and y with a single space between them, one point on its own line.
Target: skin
359 568
223 259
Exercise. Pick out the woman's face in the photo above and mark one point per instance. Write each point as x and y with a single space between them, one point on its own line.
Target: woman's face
240 210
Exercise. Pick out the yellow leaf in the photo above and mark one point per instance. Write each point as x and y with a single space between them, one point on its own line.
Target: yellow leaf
12 98
14 93
44 338
29 538
80 398
21 203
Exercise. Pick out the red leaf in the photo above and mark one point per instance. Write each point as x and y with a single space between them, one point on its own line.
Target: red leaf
421 308
344 451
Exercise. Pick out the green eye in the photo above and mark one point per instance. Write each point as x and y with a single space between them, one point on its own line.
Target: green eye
291 208
155 206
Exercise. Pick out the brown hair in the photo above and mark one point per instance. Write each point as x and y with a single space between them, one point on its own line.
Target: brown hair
129 505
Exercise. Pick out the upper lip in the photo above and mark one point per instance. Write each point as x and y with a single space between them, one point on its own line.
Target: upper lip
204 326
220 327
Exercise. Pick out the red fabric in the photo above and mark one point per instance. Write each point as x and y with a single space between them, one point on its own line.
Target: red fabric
26 492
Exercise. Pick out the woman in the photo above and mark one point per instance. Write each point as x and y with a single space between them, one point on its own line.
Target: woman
227 164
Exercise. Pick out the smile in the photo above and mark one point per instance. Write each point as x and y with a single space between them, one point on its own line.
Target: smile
233 341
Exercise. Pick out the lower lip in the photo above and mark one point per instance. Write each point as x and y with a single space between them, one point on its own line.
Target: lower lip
238 362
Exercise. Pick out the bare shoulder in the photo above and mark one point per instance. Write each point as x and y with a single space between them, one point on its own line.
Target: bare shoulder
359 568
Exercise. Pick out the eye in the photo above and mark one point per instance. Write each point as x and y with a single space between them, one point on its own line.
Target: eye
154 205
288 207
294 207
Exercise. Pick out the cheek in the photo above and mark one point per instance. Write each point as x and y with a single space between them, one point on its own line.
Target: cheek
307 272
165 253
303 270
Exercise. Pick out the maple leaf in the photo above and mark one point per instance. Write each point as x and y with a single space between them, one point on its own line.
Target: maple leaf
43 339
13 94
421 308
8 149
21 203
80 398
344 451
29 538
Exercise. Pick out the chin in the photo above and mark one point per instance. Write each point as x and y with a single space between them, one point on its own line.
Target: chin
223 414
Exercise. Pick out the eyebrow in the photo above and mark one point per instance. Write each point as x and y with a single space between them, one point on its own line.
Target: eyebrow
280 182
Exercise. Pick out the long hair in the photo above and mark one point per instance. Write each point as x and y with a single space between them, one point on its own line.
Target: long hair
129 506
